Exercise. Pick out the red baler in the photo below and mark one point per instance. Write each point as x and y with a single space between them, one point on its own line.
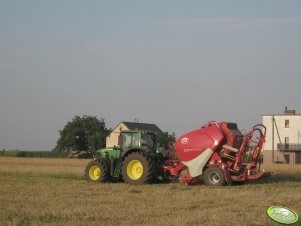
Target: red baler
219 154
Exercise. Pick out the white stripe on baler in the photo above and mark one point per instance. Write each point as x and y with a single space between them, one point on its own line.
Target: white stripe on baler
197 164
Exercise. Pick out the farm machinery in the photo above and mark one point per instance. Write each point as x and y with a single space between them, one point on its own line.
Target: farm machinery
216 153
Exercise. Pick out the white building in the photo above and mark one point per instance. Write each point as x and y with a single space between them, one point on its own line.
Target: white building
283 138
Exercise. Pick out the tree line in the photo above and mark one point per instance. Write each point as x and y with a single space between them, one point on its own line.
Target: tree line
88 133
32 154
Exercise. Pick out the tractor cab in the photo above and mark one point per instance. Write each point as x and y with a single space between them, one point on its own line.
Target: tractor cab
138 139
130 140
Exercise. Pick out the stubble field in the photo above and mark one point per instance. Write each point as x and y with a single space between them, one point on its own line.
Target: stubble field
54 192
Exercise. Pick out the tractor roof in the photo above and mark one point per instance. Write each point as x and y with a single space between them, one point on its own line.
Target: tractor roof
142 126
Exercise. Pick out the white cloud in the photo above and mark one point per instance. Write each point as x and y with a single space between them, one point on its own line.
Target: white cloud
236 23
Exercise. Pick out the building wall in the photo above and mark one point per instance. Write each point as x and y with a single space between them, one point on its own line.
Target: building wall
293 133
113 139
298 158
267 156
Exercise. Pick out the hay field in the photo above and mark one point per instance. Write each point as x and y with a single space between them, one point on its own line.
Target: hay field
54 192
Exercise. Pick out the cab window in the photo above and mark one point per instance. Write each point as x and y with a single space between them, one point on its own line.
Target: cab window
130 140
147 139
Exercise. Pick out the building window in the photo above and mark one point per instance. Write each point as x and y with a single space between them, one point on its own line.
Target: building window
287 123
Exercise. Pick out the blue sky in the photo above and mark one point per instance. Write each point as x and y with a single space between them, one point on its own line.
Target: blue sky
178 64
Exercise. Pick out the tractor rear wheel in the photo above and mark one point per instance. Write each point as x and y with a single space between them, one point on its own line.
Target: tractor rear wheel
214 176
97 171
138 168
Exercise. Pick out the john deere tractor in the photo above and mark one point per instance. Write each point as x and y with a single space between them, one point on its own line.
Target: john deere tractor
135 161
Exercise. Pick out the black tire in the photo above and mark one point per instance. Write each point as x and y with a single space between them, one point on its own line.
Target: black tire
97 171
214 176
138 168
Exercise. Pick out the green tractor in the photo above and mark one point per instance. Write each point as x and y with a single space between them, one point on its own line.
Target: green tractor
136 161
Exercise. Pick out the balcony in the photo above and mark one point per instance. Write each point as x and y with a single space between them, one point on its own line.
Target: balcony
289 147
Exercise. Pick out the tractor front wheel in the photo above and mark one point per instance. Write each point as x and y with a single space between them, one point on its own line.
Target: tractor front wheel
214 176
138 168
97 171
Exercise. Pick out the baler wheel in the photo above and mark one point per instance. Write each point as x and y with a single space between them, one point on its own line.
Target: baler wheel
97 171
138 168
214 176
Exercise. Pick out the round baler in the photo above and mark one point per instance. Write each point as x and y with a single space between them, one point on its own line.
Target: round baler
219 154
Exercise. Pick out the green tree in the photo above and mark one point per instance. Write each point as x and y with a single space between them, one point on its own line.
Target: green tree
82 133
166 139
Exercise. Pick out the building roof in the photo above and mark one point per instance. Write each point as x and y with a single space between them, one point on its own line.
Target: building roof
142 126
287 112
281 115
